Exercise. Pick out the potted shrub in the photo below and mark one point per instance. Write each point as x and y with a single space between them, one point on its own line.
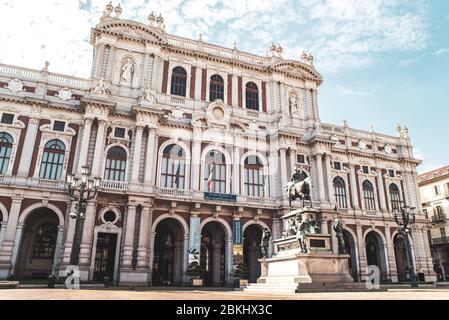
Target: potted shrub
241 274
195 273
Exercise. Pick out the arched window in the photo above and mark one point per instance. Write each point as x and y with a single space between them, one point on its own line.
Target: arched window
254 177
52 160
252 96
44 246
215 172
340 193
179 82
216 88
173 167
368 195
6 142
115 164
395 197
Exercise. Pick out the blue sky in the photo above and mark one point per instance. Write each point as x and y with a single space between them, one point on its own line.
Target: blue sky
384 61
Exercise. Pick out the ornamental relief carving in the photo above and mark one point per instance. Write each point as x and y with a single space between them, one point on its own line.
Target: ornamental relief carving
218 115
15 86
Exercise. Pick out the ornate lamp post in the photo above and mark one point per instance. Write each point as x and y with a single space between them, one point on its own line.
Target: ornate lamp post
403 221
81 190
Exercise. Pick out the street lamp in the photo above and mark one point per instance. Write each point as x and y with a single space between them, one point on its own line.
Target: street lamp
81 190
407 217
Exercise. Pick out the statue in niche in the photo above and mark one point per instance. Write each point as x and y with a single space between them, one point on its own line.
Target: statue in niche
293 106
127 72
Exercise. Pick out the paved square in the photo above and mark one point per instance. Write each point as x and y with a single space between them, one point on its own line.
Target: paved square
183 294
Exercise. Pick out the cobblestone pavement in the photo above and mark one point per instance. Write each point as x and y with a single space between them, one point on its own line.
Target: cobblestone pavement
152 294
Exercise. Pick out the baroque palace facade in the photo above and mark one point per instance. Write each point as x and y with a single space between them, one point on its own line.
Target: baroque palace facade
194 143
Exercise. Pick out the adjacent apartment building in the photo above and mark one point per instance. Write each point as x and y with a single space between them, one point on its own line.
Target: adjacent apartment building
434 187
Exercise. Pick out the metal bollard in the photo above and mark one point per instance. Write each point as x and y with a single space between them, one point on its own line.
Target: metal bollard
51 281
107 281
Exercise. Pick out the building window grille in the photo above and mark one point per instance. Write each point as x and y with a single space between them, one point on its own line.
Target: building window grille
215 172
252 96
254 177
179 82
368 195
340 193
115 164
216 88
52 160
6 142
395 197
173 167
44 247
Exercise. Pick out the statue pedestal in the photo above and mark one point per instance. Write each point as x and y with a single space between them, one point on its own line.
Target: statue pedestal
291 270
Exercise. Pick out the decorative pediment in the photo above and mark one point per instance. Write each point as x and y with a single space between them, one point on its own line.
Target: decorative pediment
218 115
297 69
132 29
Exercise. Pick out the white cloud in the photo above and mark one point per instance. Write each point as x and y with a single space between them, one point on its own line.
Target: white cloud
361 91
342 34
442 51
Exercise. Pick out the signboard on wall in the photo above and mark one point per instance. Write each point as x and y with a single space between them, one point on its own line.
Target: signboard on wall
237 242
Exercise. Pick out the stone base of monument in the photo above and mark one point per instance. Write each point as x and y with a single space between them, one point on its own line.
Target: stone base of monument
291 271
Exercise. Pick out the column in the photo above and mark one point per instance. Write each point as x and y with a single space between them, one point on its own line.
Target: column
84 148
354 191
292 161
9 237
284 177
391 263
362 263
150 157
330 182
129 236
27 152
136 155
334 241
235 90
319 165
145 227
99 149
196 159
236 172
428 269
87 237
216 265
228 261
381 190
273 173
324 226
69 237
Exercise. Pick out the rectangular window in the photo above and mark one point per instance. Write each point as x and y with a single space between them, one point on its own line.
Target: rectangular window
337 165
439 210
119 133
59 126
7 118
437 190
391 173
365 169
300 158
426 214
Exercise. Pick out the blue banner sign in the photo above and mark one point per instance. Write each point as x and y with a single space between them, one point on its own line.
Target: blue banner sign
220 197
237 235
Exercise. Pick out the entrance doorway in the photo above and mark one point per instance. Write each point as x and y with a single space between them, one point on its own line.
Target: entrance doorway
105 256
212 258
168 248
350 249
400 253
375 253
251 250
37 247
